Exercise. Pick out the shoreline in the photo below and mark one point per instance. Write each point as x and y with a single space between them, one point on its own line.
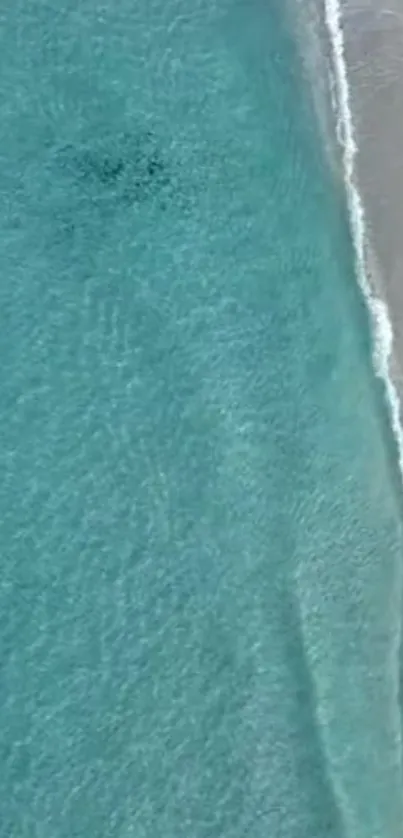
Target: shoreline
332 26
373 272
314 50
369 40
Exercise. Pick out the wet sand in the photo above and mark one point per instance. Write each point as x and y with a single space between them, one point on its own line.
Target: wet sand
373 32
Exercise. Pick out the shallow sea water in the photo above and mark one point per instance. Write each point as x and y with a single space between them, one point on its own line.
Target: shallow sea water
201 539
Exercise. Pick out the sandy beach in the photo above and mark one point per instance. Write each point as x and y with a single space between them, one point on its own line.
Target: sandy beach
373 34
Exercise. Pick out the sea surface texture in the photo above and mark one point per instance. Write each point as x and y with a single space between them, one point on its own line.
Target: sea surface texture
200 515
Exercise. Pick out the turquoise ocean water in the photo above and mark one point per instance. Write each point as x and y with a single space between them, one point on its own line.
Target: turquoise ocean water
200 521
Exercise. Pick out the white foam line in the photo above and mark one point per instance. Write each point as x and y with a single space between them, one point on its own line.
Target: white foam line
382 331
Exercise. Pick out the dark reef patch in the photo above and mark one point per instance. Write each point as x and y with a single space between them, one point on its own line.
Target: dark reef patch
132 169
